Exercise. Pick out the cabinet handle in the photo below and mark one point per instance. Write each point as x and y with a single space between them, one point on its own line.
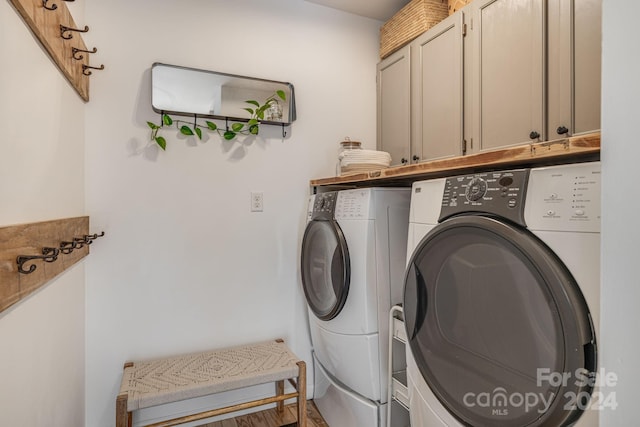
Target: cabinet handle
562 130
403 161
534 135
415 158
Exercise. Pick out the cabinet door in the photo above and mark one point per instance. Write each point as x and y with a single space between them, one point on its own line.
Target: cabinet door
393 106
437 89
508 72
574 28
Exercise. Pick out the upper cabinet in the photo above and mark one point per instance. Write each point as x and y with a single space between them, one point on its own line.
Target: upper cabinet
420 96
437 91
574 61
393 106
507 72
496 73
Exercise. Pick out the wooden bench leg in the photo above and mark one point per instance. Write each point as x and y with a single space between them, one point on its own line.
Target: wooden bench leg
123 417
302 394
280 392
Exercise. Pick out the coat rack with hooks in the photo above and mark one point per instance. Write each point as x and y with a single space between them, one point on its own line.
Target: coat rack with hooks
33 254
51 254
52 24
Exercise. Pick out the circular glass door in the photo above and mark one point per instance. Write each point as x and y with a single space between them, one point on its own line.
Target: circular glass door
497 325
325 268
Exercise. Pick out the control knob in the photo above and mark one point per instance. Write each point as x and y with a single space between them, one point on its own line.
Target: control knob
476 189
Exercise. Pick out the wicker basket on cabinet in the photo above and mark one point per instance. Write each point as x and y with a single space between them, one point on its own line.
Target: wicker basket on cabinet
411 21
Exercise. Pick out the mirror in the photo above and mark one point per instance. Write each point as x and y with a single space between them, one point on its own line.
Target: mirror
189 91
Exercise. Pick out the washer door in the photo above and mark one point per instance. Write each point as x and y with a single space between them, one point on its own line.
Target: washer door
325 268
497 325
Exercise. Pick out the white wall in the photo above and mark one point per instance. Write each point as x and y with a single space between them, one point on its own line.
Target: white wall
620 234
185 265
41 178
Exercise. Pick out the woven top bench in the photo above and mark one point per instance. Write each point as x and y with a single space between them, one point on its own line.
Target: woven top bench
156 382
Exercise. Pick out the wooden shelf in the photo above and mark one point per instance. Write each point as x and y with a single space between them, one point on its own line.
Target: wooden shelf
567 150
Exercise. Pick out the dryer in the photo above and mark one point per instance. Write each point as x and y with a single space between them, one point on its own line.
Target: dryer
352 263
501 298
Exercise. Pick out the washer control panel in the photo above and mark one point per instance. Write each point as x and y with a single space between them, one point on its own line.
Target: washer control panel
499 193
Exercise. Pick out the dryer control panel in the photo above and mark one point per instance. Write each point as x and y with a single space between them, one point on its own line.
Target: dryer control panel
344 204
564 198
500 193
324 206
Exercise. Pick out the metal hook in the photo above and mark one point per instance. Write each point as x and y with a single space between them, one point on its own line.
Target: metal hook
80 242
284 133
85 67
21 260
48 255
75 51
53 6
89 238
64 29
68 247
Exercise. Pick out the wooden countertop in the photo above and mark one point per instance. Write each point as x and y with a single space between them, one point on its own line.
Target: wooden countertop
574 149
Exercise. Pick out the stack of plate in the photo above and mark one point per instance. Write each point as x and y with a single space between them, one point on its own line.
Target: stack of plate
363 160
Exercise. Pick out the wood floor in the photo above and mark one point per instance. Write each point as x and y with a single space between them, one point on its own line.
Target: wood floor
270 418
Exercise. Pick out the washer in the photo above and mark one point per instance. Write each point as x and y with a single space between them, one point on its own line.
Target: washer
352 265
502 296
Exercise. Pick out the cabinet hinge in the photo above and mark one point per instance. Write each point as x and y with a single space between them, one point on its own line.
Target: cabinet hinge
464 146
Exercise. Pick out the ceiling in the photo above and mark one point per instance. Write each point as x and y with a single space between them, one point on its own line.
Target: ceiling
381 10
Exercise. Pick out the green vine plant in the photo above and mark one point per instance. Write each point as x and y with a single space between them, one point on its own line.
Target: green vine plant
251 127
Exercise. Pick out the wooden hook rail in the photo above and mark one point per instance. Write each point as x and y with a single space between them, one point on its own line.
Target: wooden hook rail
31 255
52 24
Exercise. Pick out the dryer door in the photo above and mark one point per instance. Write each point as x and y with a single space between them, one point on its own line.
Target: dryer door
497 325
325 268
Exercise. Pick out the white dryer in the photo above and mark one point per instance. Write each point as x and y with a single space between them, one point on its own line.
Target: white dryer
352 264
501 298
